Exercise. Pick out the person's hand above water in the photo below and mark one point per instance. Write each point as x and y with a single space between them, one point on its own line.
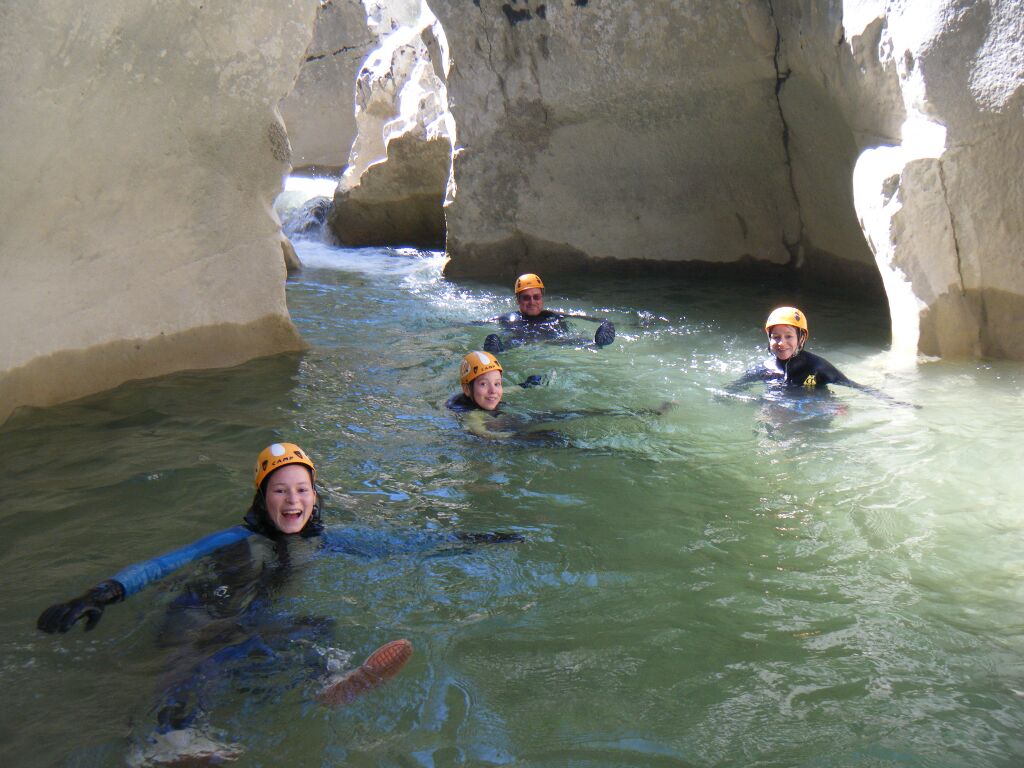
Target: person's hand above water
62 616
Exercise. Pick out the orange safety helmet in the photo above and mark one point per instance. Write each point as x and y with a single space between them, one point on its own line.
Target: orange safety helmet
476 364
277 455
529 280
787 316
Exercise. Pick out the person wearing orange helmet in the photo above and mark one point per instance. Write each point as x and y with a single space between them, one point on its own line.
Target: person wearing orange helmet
535 323
480 401
791 365
480 376
250 562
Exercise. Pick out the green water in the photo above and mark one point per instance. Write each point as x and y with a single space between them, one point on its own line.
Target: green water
734 583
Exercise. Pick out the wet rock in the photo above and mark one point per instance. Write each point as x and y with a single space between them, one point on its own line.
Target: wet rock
152 127
308 218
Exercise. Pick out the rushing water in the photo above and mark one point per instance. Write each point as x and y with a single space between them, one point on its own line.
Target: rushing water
736 582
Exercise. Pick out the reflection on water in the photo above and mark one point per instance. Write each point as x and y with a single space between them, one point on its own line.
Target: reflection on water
738 581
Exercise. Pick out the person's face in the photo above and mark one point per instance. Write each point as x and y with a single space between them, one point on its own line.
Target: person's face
531 301
485 390
784 341
290 498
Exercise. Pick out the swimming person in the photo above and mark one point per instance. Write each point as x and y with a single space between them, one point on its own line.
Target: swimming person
793 367
229 621
480 375
481 400
535 323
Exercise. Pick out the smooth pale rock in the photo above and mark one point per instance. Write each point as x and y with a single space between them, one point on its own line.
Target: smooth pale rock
151 132
320 110
398 202
944 207
394 188
627 131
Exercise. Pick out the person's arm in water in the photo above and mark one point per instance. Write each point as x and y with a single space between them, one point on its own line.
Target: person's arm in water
753 376
580 316
487 425
387 541
877 393
508 318
826 373
60 617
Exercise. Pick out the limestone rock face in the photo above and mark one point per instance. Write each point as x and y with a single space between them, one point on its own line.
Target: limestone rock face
943 208
395 185
320 110
862 143
615 131
151 130
399 201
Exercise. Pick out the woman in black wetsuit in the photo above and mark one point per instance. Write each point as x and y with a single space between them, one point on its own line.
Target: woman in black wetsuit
534 323
230 620
793 367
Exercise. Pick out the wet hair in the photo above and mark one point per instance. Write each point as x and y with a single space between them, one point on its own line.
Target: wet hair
257 518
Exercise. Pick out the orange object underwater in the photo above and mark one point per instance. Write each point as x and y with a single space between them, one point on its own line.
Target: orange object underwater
383 664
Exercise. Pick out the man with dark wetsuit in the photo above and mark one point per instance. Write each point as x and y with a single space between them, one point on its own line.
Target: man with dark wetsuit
534 323
791 365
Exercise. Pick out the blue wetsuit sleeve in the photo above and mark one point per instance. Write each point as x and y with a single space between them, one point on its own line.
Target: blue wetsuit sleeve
135 577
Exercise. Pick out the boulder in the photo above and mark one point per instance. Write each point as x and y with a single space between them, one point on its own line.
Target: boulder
622 134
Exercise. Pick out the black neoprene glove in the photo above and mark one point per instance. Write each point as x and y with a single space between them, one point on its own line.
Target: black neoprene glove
62 616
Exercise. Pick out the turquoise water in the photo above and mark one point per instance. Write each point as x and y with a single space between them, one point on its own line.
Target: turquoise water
737 582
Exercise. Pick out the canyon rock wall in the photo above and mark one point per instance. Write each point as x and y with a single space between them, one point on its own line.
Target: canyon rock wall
142 148
848 142
615 131
943 208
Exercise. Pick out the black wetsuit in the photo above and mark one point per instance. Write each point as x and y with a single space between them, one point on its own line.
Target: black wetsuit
804 369
547 326
544 325
462 403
